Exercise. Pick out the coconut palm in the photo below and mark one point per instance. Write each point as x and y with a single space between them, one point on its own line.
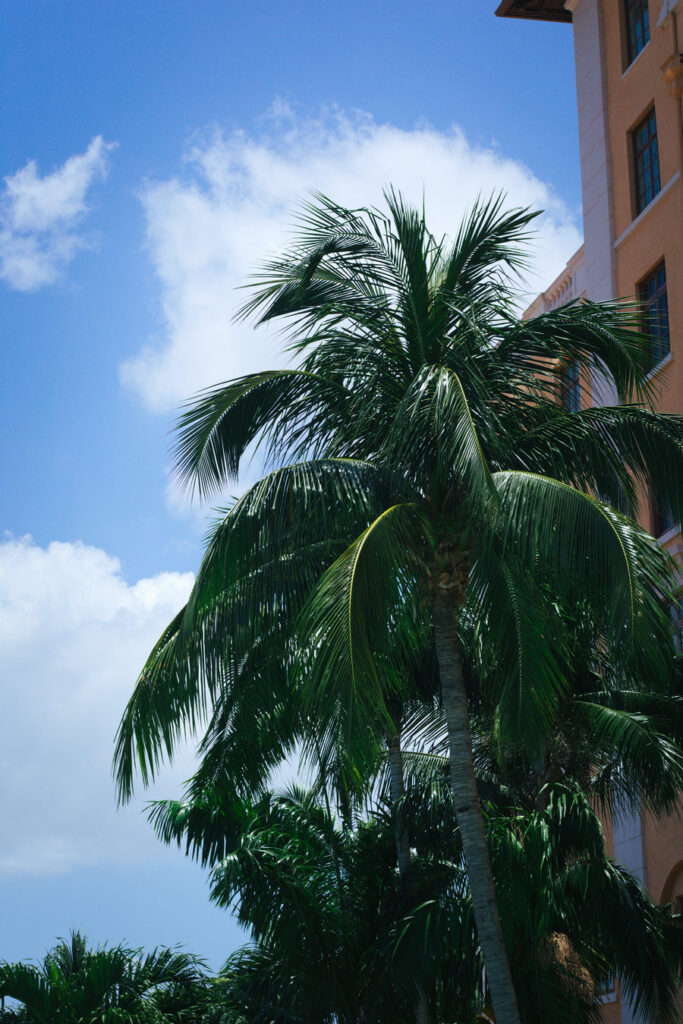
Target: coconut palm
76 984
426 414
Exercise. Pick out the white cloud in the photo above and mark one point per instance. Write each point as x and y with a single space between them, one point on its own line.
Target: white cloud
210 226
73 637
39 215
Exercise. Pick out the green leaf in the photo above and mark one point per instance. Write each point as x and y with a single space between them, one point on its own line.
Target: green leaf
347 658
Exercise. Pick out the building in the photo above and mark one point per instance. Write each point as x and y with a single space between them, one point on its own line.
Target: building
629 87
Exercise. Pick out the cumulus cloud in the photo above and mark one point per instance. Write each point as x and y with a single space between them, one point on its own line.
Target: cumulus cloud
232 204
39 216
73 637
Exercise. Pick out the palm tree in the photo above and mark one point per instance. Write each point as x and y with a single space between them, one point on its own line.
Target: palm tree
79 985
323 905
427 415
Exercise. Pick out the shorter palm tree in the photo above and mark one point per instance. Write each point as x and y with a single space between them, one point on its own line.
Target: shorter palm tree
76 984
336 937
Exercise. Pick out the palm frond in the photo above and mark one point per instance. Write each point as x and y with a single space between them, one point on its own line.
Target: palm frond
350 655
650 765
219 424
583 543
163 700
522 656
616 452
434 435
601 337
488 239
261 562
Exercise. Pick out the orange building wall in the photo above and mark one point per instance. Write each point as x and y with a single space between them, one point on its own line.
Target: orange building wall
623 248
642 242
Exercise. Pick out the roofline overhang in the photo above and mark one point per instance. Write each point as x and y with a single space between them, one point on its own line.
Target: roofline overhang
534 10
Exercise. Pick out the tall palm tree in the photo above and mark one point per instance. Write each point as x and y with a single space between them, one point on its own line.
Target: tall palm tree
79 985
428 415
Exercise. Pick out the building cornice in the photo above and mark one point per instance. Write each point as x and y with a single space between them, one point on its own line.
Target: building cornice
536 10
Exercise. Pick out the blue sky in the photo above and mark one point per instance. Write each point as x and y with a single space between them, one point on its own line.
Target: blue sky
151 153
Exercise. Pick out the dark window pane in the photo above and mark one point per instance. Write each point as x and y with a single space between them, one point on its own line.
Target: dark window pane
676 616
662 517
571 388
606 985
652 294
637 27
646 160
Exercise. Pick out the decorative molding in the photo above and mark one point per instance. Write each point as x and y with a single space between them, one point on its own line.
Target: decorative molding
567 285
643 214
660 366
668 7
636 58
672 73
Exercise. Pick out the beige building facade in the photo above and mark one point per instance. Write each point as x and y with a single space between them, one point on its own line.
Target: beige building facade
629 88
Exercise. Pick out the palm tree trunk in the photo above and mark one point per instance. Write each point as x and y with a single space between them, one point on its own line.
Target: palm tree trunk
468 811
397 792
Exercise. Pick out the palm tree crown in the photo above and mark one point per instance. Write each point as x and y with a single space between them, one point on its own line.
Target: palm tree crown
76 984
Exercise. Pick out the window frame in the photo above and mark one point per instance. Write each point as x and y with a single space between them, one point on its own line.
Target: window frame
645 157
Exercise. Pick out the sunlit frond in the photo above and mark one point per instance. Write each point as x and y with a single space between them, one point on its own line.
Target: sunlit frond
351 654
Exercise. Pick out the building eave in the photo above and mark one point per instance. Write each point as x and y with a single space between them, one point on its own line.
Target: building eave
536 10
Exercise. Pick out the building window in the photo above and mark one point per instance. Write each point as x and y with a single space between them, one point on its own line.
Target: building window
637 27
652 295
676 618
570 389
606 987
661 517
646 161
